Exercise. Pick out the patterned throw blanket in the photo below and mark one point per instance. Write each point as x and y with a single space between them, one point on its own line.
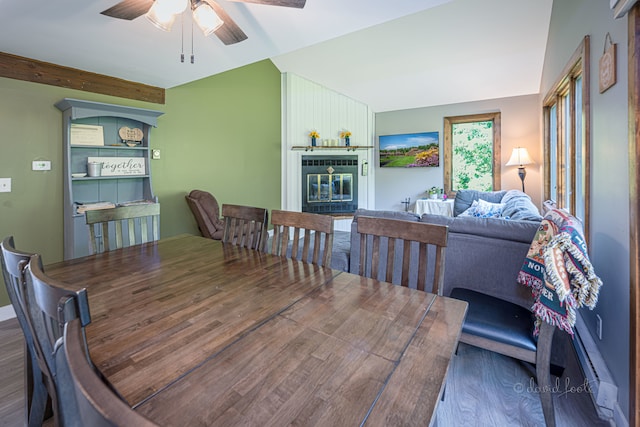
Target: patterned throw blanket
558 270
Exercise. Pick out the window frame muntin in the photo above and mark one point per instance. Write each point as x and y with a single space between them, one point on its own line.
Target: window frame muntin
578 65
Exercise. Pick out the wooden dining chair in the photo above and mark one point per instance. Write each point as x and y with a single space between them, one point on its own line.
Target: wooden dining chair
507 328
96 403
101 242
35 391
380 256
245 226
308 227
50 304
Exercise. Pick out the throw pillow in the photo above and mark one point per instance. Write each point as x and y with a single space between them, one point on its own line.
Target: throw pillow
483 209
471 210
464 199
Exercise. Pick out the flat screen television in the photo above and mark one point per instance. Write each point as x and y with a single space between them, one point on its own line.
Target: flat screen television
409 150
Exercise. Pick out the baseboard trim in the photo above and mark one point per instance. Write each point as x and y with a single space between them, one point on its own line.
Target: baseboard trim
604 393
619 419
7 312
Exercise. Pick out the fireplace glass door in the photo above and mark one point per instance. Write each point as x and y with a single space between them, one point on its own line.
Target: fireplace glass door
329 184
327 188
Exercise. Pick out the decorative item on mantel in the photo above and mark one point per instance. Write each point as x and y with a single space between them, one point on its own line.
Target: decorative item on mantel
314 136
346 135
434 192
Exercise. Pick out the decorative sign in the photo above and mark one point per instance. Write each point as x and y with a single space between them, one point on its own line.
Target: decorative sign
86 135
131 137
607 71
121 166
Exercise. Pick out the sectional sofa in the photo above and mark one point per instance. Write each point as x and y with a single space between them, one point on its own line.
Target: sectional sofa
483 254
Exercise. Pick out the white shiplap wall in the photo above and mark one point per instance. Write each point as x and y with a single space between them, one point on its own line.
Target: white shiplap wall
308 106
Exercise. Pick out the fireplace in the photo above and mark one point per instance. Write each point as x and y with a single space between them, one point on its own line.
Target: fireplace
329 184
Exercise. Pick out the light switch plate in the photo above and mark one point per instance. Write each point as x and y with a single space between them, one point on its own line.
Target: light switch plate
41 165
5 185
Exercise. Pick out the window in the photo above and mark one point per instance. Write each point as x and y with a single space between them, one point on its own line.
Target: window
566 137
472 152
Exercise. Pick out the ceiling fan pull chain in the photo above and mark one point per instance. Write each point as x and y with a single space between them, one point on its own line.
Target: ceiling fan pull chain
192 55
182 38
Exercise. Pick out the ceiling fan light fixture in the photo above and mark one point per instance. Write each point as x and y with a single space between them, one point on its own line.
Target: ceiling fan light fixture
175 7
160 18
163 13
206 18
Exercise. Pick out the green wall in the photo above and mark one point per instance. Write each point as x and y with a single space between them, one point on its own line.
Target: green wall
220 134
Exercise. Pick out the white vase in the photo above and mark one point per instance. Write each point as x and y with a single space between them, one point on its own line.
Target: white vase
433 195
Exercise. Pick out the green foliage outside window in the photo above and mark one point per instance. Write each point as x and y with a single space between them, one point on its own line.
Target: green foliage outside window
472 156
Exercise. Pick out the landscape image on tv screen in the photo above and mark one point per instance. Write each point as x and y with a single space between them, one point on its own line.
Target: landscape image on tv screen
409 150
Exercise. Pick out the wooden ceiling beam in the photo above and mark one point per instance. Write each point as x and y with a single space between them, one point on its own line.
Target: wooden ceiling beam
31 70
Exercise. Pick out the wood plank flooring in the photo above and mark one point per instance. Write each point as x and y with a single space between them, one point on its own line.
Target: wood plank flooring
11 374
489 389
483 389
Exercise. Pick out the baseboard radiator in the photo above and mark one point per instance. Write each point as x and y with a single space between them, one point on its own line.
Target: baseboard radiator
604 390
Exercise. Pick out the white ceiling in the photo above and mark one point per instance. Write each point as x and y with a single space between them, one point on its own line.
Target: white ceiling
388 54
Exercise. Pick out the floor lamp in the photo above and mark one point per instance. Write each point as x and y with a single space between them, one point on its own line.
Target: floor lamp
520 157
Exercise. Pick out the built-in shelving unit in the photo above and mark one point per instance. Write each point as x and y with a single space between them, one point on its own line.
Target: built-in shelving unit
116 189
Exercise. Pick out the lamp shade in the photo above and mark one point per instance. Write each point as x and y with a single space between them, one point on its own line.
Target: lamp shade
519 157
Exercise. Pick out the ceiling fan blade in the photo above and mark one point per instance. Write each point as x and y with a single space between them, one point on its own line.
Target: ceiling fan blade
229 32
128 9
285 3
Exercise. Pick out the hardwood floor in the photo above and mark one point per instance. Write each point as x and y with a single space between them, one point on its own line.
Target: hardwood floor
483 389
11 374
486 388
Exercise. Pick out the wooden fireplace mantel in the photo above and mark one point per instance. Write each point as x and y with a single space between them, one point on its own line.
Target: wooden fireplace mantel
330 147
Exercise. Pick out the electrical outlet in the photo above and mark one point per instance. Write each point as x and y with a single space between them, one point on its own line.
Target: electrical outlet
41 165
155 154
5 185
599 326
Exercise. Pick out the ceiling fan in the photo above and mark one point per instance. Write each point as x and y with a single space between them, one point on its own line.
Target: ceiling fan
208 14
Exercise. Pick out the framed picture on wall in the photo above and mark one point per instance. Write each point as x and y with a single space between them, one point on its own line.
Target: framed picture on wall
409 150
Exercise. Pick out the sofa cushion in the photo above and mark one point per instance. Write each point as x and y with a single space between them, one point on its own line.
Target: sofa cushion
464 199
484 209
498 228
518 206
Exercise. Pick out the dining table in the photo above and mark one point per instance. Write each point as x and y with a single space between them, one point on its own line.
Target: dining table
195 332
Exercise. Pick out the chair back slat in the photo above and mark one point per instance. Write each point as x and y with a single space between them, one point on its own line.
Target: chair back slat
35 392
417 239
245 226
312 227
132 215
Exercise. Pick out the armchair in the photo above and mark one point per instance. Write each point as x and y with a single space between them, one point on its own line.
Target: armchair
206 212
